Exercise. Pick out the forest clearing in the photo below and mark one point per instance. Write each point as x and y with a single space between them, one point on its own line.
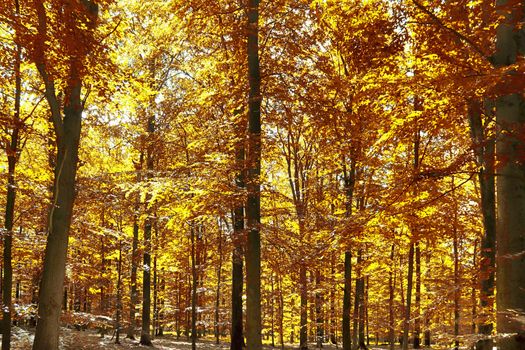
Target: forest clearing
288 174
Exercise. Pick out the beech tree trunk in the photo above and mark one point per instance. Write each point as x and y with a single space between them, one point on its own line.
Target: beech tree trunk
162 301
360 293
355 316
51 291
281 311
102 306
427 316
272 309
406 323
319 319
311 306
347 340
218 291
194 281
145 337
237 336
366 304
133 278
349 185
253 204
200 258
333 326
67 130
391 296
473 294
484 151
359 307
417 316
119 294
12 149
303 284
155 298
510 148
457 289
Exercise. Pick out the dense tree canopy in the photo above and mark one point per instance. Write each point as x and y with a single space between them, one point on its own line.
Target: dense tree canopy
293 172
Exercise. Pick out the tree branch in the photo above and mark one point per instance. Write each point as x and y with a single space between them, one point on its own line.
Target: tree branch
460 36
40 62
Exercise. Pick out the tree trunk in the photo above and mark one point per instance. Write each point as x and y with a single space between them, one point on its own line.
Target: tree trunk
358 334
67 125
484 150
402 294
347 341
303 284
178 310
333 326
510 118
349 185
366 303
237 336
194 280
427 315
281 312
218 291
361 314
406 323
155 298
311 305
473 295
272 309
253 204
47 331
189 298
319 310
457 289
102 306
417 316
145 338
200 260
162 304
46 336
12 150
391 296
355 316
119 293
133 278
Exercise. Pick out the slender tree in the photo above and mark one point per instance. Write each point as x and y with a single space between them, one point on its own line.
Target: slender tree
349 185
145 337
237 336
12 151
253 203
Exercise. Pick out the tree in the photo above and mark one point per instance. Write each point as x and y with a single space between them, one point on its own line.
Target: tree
510 117
80 21
12 148
253 203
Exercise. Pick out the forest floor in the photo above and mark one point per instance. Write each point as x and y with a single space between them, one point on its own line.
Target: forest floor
70 339
90 340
